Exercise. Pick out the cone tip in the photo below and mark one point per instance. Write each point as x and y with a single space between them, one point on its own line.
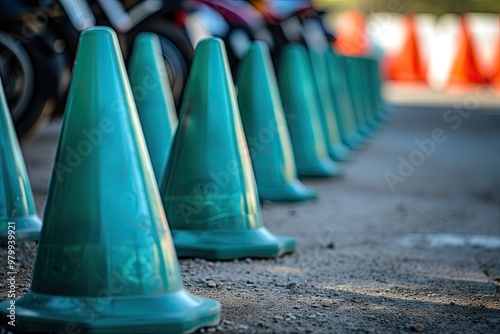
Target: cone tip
98 30
293 48
146 38
215 41
258 46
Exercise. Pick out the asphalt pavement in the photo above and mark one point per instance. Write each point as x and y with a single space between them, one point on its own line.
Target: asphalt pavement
407 240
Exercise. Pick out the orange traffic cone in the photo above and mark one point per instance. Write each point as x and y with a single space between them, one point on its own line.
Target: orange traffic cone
495 78
351 34
464 70
405 64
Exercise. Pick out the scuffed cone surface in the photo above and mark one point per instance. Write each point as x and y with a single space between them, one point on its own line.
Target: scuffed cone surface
105 262
209 183
102 188
209 192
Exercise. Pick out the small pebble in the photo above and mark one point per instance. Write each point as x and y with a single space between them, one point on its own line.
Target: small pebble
260 323
242 327
418 328
211 284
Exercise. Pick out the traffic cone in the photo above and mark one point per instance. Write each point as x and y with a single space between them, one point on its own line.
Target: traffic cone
343 104
355 84
351 37
384 111
367 87
105 261
302 114
495 78
406 64
153 98
266 130
18 218
209 191
374 93
318 48
464 70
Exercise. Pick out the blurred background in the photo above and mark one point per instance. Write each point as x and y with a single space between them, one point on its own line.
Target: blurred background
435 48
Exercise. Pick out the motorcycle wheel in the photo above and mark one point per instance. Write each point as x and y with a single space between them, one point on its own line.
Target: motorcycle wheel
176 48
32 73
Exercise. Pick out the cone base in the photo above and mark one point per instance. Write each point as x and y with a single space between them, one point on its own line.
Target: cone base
176 312
294 191
229 244
387 110
26 228
373 125
365 131
381 116
354 141
322 168
339 152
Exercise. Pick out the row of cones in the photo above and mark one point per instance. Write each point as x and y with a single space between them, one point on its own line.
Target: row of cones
106 261
407 64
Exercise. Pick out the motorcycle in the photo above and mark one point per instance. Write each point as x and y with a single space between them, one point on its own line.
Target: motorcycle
277 23
39 38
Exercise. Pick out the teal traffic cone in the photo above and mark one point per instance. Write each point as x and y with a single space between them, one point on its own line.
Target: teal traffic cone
105 263
369 110
18 219
153 98
372 67
209 191
266 130
302 114
343 104
383 110
353 70
336 149
370 91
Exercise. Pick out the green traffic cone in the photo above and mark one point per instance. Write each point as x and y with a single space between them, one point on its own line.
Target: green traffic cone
209 191
336 149
153 98
266 130
105 261
369 108
353 70
383 110
302 113
343 104
18 218
372 67
318 46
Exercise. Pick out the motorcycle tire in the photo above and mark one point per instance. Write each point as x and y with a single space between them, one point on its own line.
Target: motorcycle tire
176 48
32 72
